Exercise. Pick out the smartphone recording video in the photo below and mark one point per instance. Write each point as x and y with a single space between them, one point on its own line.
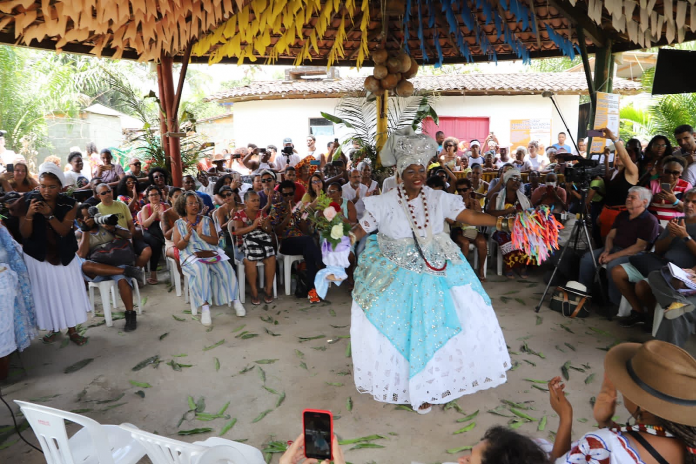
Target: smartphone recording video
318 433
595 133
10 167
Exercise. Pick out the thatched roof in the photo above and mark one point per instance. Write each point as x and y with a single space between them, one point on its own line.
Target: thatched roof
445 84
324 32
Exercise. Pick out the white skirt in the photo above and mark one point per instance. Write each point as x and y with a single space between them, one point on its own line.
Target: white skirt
59 293
475 359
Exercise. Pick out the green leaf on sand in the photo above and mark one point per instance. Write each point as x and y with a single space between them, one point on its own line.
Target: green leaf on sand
78 365
161 337
208 348
145 363
459 450
140 384
265 361
465 429
281 398
217 364
262 415
195 431
542 424
180 319
228 426
367 439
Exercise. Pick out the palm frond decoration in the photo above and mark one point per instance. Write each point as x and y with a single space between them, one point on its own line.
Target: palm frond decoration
359 115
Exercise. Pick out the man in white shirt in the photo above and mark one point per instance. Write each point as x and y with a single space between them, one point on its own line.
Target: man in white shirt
287 156
354 191
206 186
312 148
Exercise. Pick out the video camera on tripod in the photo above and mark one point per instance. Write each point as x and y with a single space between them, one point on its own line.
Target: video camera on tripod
584 170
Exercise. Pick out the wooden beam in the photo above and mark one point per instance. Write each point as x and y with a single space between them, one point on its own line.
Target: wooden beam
576 15
182 77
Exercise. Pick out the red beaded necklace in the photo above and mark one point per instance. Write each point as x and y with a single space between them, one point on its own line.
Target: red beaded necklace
412 212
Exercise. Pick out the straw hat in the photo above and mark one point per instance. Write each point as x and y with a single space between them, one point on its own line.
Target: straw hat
657 376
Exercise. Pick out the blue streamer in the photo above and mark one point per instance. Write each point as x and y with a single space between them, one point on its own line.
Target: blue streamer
406 21
431 14
498 25
563 44
438 48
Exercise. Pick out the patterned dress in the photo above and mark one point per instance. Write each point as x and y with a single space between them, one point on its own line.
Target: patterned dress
209 283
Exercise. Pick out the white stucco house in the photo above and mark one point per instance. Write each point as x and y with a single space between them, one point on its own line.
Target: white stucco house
468 105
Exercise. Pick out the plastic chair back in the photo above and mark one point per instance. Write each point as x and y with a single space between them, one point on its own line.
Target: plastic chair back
48 425
221 455
162 450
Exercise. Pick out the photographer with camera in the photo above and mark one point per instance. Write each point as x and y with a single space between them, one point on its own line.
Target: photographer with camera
110 206
550 194
287 156
106 253
46 220
263 162
235 163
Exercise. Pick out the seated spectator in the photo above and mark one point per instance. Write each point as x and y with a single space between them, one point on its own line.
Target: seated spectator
464 234
316 187
195 237
110 206
19 180
448 155
167 221
436 182
504 203
632 232
252 229
136 168
658 386
667 202
293 233
74 176
128 191
206 186
504 156
151 216
354 191
110 173
675 245
390 183
304 169
537 162
269 195
366 171
340 174
533 184
291 175
520 163
159 177
222 217
489 162
224 181
94 199
496 184
686 140
92 236
189 184
676 302
479 185
658 148
475 156
550 194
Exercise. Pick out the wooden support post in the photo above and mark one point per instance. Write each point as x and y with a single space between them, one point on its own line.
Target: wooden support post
603 78
163 118
382 103
172 121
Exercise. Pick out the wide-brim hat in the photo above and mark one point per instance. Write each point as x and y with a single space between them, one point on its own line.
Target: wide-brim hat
657 376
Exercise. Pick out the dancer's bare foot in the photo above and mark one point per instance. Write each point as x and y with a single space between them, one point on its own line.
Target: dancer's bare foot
424 408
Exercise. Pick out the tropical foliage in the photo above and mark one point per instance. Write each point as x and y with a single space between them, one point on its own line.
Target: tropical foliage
360 116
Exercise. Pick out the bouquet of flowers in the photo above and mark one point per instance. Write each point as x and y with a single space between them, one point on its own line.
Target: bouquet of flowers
329 222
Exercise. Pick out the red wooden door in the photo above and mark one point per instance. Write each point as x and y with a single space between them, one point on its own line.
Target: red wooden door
463 128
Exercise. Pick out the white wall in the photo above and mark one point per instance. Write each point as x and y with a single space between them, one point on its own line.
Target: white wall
502 109
268 122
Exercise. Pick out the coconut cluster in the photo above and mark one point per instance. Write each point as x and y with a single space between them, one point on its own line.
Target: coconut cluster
392 73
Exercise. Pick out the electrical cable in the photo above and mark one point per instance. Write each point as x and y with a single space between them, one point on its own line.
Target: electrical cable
15 425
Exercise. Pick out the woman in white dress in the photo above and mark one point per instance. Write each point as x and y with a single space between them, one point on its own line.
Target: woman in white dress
423 330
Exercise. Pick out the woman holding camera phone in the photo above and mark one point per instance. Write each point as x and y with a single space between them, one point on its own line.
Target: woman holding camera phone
668 190
46 225
18 179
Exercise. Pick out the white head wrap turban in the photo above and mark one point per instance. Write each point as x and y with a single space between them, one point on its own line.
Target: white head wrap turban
404 147
51 168
510 173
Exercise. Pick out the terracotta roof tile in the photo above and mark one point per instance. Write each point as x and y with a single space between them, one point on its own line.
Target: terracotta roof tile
447 84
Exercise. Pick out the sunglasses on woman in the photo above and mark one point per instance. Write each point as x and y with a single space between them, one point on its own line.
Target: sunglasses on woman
672 173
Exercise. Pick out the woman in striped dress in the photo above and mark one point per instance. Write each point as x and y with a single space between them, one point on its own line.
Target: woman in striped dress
195 237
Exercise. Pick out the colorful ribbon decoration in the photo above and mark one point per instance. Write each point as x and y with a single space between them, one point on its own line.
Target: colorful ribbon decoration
535 232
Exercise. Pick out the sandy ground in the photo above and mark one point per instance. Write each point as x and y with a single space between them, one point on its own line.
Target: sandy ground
325 383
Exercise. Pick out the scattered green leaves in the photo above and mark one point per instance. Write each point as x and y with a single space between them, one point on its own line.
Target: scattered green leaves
542 424
217 365
459 450
469 417
262 415
228 426
265 361
208 348
589 379
78 365
177 318
140 384
161 337
195 431
143 364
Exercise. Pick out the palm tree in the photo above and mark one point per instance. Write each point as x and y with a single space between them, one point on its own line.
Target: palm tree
672 111
360 116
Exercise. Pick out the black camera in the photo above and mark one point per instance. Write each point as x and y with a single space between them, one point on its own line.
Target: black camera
287 150
36 195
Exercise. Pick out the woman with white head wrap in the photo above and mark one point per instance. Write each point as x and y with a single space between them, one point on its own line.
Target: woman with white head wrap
508 201
420 315
46 219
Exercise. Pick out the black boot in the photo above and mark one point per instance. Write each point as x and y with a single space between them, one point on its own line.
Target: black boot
131 321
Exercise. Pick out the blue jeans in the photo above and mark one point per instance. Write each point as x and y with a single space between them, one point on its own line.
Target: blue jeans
587 272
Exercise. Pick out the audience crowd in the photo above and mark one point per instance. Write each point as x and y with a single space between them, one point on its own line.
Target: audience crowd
94 221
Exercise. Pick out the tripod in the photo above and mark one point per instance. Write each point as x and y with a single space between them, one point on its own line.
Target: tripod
580 226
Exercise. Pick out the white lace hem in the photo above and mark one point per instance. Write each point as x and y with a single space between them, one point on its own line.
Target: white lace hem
476 359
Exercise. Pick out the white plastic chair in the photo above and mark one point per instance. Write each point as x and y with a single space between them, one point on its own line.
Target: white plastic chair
241 272
162 450
94 443
285 268
472 249
495 251
109 288
175 277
